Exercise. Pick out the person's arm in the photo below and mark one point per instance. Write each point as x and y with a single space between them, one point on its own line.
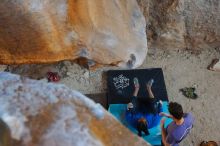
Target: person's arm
165 114
163 133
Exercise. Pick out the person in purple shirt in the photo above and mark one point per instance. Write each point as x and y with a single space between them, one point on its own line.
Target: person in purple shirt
179 128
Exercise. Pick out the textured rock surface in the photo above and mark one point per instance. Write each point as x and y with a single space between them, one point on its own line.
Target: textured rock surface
191 24
105 32
46 114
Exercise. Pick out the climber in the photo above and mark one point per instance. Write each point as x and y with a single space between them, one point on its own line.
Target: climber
139 115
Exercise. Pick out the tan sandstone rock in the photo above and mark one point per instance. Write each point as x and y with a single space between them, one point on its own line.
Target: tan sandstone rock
192 24
107 32
46 114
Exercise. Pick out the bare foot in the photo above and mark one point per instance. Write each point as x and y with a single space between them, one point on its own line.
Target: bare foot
211 66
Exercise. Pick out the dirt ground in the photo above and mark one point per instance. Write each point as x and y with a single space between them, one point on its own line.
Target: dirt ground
181 68
184 69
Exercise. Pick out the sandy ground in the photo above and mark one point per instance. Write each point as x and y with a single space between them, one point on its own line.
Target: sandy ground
181 69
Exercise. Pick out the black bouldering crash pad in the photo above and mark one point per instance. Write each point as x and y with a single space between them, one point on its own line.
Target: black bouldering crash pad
120 84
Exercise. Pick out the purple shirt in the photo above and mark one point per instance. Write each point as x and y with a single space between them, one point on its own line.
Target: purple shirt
176 133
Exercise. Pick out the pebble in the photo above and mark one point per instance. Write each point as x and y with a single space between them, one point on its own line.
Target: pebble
68 73
86 74
82 80
195 85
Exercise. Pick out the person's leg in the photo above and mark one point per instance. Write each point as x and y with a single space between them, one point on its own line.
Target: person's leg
135 93
136 87
152 106
149 85
152 99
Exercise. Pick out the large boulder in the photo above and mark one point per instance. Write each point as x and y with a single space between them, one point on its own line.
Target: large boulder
47 114
192 24
107 32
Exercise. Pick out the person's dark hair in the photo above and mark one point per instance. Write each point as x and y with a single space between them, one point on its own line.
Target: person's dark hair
142 121
175 110
142 126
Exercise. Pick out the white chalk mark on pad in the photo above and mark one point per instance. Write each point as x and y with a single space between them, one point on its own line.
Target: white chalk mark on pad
121 82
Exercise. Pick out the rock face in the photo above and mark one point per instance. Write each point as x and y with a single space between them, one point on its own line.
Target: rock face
191 24
45 114
104 32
